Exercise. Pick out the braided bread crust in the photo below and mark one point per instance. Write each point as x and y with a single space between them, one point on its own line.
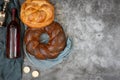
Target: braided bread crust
37 13
56 43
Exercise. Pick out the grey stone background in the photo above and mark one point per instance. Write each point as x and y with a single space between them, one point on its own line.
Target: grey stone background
94 26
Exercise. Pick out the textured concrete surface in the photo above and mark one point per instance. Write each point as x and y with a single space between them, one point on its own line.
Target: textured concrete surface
94 26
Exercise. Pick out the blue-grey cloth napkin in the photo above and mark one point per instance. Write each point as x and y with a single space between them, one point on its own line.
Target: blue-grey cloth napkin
49 63
10 69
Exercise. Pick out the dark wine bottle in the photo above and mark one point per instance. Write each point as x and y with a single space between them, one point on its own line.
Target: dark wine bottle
13 37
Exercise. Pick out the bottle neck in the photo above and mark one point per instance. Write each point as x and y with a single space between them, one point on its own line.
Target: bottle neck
13 14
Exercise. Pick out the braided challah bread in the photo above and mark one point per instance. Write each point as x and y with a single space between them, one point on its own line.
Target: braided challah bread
37 13
56 43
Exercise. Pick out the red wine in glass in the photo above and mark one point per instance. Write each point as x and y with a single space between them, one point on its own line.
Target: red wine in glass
13 37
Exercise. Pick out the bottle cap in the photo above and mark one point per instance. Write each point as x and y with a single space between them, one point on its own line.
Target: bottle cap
14 10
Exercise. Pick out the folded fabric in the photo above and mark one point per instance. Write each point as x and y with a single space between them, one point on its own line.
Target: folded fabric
10 69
